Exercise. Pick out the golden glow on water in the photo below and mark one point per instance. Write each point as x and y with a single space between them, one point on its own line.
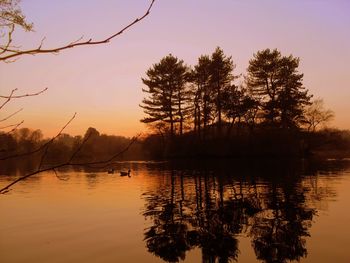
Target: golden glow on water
99 217
90 218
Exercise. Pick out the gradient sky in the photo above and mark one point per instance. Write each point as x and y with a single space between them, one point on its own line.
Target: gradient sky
103 83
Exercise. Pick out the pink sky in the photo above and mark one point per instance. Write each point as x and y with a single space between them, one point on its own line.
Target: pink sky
103 83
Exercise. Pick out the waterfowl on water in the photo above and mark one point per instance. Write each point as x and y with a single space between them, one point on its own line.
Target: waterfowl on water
122 173
110 171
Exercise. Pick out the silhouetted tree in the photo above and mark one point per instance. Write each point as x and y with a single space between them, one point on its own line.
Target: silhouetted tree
221 76
263 80
292 96
166 86
316 114
274 79
235 104
202 93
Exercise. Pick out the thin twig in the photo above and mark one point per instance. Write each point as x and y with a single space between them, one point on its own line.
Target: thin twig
11 125
42 146
24 95
11 115
80 147
43 155
8 98
14 128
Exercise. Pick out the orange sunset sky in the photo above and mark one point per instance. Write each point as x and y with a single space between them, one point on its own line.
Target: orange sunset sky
103 83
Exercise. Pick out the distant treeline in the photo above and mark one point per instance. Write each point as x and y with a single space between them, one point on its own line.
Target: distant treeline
23 143
25 147
202 111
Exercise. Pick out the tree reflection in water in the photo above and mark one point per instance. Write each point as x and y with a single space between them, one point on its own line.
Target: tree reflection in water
208 210
278 232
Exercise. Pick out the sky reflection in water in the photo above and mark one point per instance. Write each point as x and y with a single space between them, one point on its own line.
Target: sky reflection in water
212 212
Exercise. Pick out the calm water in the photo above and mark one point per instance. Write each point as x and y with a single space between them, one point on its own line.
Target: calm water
212 212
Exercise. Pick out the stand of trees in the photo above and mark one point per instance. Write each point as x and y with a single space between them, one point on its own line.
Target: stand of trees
204 107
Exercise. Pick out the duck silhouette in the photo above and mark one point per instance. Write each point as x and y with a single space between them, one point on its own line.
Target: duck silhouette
123 173
110 171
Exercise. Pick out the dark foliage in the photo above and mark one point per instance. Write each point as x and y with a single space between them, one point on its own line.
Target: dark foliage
269 114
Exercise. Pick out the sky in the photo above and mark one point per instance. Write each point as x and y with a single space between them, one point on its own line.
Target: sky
103 83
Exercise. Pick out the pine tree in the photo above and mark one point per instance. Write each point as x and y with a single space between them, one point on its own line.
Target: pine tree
274 79
221 76
263 80
166 85
202 93
292 97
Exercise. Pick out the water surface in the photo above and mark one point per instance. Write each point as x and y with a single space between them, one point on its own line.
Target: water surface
209 212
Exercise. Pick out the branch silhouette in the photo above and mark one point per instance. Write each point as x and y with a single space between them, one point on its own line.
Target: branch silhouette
39 50
42 147
8 99
11 96
15 126
11 115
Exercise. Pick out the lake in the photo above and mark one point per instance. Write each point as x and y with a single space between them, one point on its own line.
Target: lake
210 211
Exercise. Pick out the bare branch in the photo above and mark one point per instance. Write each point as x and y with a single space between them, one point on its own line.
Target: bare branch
46 148
23 95
6 188
39 50
11 115
80 147
9 126
15 126
8 99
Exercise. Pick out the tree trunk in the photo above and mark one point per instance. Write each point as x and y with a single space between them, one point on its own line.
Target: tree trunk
199 122
218 106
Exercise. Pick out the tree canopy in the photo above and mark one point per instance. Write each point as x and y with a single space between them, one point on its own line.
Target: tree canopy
166 85
272 93
274 79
